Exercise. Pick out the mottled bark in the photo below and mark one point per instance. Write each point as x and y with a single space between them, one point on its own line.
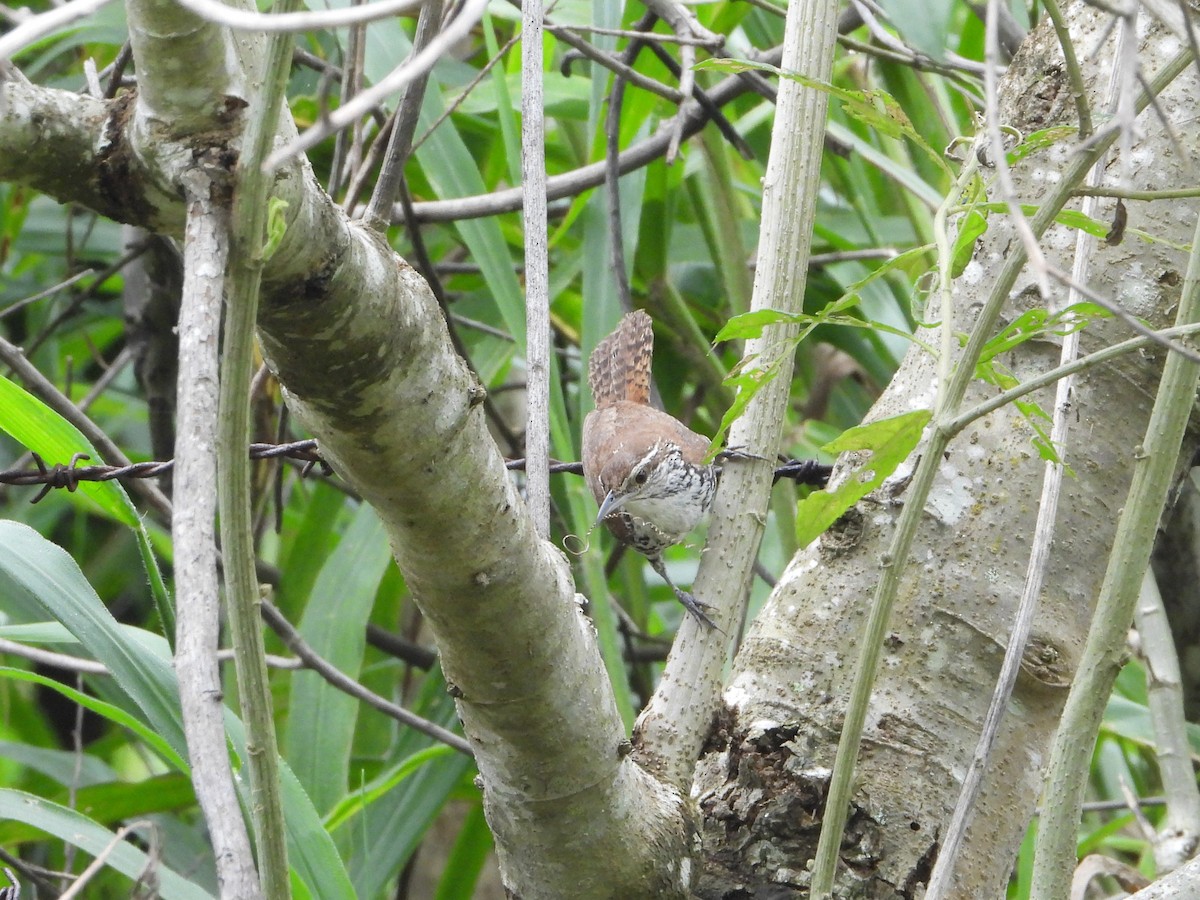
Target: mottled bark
765 772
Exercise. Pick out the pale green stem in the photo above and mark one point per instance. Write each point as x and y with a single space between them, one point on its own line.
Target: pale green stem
1103 654
234 494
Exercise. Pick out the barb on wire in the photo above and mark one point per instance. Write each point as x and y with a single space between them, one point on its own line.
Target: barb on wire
70 474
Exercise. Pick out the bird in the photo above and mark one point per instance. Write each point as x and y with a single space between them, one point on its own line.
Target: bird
646 469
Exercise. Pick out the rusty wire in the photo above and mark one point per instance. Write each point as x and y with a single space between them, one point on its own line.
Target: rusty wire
69 475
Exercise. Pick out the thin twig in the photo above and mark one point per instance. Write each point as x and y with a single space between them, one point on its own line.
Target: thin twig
537 269
612 175
292 23
575 182
343 682
404 74
37 27
999 156
466 91
405 125
45 390
48 292
63 661
1175 841
198 614
706 102
101 859
645 36
347 158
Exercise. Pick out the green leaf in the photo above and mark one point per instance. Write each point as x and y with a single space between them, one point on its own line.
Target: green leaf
320 732
114 714
1132 721
467 857
47 575
396 824
84 833
1030 325
276 226
112 802
875 109
889 442
565 98
750 325
971 228
447 163
353 804
311 852
63 766
390 826
1036 324
31 422
1038 140
746 381
923 24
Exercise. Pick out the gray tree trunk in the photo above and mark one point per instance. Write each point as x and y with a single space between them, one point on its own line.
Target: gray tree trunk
763 778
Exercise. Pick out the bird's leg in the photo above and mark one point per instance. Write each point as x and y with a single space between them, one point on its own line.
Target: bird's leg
690 603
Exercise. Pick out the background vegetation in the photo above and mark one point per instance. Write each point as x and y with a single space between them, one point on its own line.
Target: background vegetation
402 809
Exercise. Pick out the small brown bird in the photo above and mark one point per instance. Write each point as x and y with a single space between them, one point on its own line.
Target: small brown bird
646 469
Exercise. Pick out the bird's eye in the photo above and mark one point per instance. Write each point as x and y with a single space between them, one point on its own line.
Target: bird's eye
641 476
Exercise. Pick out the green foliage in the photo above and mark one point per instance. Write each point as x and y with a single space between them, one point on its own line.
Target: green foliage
876 109
44 575
42 430
1033 324
276 226
69 825
886 443
46 433
364 792
972 226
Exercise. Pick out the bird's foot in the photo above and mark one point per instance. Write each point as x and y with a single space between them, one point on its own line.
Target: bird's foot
737 454
690 603
695 607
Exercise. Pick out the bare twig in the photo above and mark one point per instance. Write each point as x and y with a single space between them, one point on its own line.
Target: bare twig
999 158
399 144
612 175
206 252
347 149
646 36
36 27
343 682
48 292
412 68
537 269
571 183
69 663
45 390
101 859
284 23
63 661
1176 839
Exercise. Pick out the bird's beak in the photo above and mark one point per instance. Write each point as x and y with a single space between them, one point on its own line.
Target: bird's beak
611 504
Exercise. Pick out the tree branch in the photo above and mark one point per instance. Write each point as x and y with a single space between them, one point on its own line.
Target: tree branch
206 250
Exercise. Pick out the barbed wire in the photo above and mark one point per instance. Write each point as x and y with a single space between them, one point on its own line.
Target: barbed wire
68 476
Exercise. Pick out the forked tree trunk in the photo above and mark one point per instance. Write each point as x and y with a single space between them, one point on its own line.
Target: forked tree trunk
764 775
